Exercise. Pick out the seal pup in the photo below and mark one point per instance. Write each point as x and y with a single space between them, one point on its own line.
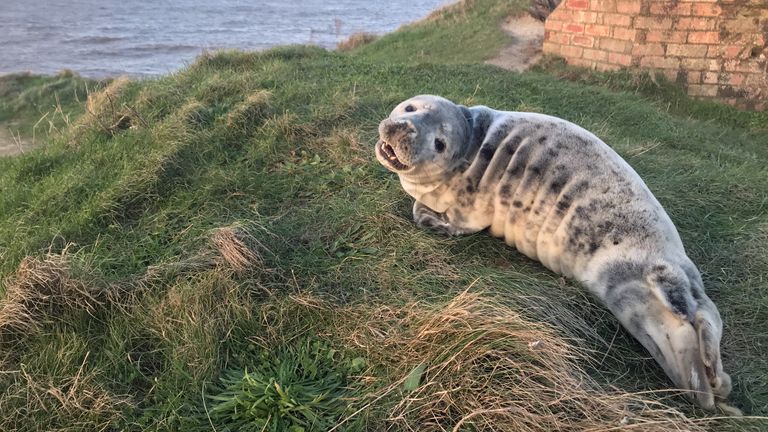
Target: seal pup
561 196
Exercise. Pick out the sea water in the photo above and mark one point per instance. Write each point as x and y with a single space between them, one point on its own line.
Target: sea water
99 38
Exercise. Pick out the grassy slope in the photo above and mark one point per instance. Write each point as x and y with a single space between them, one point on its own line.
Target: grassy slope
36 106
465 32
265 159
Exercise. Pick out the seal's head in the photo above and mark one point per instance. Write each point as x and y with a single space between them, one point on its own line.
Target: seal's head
424 136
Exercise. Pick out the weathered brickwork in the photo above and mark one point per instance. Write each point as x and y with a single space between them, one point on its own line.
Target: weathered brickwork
715 48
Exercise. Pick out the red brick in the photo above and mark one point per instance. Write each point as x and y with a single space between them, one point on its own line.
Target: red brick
752 67
710 77
573 28
670 7
585 17
597 30
704 37
660 23
660 62
670 74
700 64
603 5
591 54
706 9
731 51
694 77
746 39
561 14
682 9
581 63
563 39
696 23
736 79
554 25
615 45
629 6
617 19
755 80
713 51
571 51
559 38
653 49
585 41
661 8
622 59
666 36
686 50
702 90
731 65
551 48
624 34
577 4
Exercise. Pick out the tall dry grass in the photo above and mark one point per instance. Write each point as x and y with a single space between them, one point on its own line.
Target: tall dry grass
472 364
44 290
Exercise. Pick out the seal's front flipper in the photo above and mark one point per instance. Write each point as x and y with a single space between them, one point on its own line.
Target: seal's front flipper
429 219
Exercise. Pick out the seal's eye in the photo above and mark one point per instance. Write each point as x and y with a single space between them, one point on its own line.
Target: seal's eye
439 145
410 108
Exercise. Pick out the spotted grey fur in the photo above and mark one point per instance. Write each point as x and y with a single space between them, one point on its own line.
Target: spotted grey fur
561 196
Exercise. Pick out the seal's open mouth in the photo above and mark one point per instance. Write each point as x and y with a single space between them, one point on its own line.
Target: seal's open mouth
389 154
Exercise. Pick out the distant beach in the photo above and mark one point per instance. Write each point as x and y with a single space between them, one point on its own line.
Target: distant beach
98 38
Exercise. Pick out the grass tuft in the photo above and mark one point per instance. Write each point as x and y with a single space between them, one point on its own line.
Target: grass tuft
78 402
106 113
476 364
44 291
356 40
249 112
301 386
238 249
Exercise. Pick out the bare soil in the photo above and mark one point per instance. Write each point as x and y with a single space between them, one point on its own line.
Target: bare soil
525 49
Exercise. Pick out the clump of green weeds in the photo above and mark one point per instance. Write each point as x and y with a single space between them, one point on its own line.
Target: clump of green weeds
301 386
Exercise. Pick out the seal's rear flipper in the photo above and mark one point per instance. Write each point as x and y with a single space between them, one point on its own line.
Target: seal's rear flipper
709 329
674 344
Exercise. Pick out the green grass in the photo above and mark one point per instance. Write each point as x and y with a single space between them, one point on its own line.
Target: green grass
190 228
464 32
294 388
36 107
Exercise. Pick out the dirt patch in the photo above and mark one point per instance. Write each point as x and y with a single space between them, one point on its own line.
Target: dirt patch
10 142
525 50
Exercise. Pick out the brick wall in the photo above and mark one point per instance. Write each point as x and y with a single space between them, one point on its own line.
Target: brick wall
715 48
